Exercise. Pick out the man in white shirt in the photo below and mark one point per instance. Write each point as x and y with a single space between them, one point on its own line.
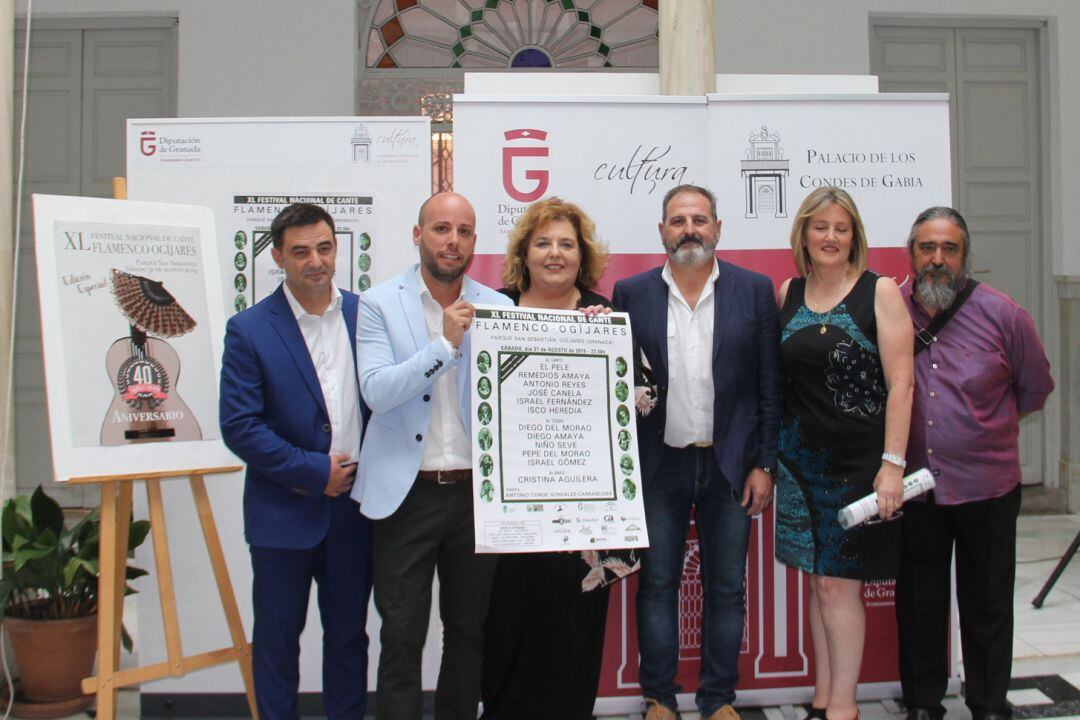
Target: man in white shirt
415 477
290 409
710 333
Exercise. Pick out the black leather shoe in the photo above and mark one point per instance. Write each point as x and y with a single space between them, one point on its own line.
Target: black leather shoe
993 716
919 714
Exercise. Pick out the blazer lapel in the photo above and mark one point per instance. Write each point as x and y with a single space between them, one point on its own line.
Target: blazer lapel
658 309
723 297
284 323
471 292
413 308
349 307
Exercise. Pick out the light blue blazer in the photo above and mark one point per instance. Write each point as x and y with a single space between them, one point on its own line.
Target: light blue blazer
398 370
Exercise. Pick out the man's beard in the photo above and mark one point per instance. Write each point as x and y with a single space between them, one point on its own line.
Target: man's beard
933 293
443 275
692 253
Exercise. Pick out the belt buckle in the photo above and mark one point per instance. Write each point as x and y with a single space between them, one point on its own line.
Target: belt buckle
439 478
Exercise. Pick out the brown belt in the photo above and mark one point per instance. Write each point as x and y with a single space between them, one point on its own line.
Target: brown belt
445 477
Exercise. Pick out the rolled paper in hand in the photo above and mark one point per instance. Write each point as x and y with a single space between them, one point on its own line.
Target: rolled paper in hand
858 512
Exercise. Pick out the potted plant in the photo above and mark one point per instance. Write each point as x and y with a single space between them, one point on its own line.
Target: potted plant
49 596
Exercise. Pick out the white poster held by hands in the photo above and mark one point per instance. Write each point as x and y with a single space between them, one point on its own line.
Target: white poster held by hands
555 461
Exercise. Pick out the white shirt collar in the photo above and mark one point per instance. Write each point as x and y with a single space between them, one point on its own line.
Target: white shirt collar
666 273
298 310
422 287
709 284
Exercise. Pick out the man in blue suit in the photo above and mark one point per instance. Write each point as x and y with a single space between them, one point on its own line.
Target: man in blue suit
415 476
290 409
710 333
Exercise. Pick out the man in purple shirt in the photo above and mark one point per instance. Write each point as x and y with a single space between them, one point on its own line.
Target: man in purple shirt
976 376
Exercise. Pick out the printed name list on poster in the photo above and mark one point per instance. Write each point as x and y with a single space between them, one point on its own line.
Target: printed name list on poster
555 460
254 272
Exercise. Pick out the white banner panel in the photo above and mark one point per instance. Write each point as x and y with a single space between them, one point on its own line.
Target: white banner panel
370 174
614 156
760 154
766 154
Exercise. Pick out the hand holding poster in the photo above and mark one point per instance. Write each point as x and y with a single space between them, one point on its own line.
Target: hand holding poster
556 464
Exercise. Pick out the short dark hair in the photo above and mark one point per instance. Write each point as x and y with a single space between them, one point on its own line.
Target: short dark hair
704 192
940 212
297 215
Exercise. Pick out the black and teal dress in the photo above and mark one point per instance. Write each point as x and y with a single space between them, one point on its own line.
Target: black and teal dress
832 437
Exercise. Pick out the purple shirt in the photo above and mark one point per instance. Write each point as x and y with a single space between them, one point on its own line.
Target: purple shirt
986 369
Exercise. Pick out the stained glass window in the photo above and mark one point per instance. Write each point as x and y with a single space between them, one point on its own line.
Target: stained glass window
493 34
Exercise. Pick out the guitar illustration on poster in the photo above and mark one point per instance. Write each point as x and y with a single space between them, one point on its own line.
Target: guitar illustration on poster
145 369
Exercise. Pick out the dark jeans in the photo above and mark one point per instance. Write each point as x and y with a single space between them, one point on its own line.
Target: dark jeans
690 478
984 533
431 532
281 585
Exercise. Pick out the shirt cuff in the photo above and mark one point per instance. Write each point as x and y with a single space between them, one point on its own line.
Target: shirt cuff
454 352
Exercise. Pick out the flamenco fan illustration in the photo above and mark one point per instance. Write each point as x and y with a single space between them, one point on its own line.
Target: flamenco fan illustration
149 306
144 369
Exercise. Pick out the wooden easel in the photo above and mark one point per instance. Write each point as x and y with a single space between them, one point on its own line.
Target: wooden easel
116 495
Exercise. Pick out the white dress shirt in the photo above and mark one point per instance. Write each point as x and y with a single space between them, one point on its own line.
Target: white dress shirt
447 444
690 371
330 347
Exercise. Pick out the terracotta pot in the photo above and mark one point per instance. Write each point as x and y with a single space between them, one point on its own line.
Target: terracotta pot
53 655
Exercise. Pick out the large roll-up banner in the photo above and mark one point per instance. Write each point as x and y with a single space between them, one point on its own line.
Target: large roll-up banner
761 155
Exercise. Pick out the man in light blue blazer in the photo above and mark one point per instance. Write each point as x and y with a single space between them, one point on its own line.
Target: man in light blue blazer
290 409
415 475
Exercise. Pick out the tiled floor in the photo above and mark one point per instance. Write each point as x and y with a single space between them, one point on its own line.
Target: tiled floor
1046 647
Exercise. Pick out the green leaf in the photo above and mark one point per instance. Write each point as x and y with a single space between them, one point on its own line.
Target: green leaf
46 512
139 531
134 573
28 554
7 523
125 639
72 568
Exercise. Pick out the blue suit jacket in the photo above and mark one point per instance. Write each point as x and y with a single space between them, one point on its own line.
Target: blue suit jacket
273 416
747 374
398 369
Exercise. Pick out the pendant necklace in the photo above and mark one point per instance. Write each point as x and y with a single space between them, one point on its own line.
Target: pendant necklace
828 315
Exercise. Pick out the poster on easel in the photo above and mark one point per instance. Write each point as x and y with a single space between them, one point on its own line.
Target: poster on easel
370 174
131 332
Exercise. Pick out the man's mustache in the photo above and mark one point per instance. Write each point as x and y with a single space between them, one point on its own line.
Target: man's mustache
937 270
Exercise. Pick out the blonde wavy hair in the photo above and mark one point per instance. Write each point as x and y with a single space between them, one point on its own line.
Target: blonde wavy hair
594 254
816 202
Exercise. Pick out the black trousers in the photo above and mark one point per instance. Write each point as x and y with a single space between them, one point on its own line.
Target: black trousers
431 532
984 534
544 641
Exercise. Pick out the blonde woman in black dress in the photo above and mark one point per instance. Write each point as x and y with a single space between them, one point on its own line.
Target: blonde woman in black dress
846 345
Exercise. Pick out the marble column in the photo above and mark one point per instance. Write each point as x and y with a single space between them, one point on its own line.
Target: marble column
7 249
1068 389
687 47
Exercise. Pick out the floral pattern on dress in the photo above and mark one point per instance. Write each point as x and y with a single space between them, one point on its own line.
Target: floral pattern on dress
608 566
854 377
